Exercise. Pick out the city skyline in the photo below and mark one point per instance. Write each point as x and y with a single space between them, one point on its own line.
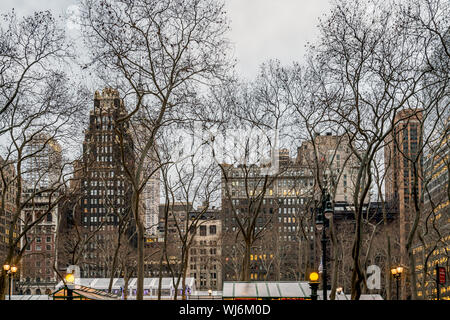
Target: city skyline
214 149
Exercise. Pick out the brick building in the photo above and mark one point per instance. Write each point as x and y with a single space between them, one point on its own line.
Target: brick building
41 190
8 192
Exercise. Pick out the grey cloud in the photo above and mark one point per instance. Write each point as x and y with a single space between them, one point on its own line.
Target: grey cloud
261 29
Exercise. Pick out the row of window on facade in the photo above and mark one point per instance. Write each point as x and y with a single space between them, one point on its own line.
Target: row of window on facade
203 251
282 201
37 247
101 201
102 183
212 230
102 137
38 215
205 266
103 210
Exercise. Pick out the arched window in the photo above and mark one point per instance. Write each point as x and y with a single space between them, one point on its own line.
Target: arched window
28 291
38 291
48 291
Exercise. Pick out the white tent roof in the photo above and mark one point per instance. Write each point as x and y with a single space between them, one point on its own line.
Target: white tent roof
31 297
282 289
349 296
149 283
266 289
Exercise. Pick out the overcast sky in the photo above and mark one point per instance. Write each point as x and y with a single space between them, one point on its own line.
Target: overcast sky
261 29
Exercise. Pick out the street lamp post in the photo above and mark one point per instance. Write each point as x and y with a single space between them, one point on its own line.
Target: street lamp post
70 280
397 274
10 271
313 284
325 213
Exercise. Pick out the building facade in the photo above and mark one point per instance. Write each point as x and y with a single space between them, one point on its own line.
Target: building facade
40 194
278 206
400 153
105 194
151 198
331 159
205 256
8 193
433 248
38 275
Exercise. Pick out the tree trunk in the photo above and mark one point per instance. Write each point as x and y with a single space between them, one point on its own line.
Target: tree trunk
126 280
114 264
183 284
140 266
245 272
356 273
3 284
164 251
388 279
140 248
334 271
409 242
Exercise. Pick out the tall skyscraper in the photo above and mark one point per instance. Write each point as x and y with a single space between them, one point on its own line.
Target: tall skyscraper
105 191
403 145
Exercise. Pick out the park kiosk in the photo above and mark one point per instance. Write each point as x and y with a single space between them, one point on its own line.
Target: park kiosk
82 293
282 290
266 290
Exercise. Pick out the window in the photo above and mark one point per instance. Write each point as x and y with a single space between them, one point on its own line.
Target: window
212 229
202 230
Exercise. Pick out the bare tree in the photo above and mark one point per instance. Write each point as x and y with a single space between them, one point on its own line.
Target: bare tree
37 122
361 65
161 52
30 51
249 163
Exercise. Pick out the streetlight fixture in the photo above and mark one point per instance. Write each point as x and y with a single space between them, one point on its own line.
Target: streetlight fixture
319 223
339 290
325 212
210 292
70 280
397 274
328 212
10 271
314 284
